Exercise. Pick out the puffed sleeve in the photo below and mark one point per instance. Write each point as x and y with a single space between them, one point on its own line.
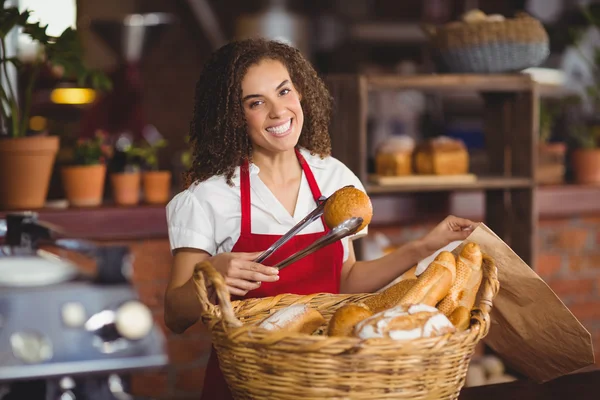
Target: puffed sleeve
189 223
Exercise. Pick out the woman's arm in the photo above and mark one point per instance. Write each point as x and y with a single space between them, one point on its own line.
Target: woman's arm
182 308
370 276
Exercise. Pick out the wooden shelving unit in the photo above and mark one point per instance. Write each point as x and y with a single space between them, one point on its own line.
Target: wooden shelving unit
510 119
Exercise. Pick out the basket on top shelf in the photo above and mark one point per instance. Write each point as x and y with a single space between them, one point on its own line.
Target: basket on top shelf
262 364
481 43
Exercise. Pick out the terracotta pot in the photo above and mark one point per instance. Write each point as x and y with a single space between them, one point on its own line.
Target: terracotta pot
551 163
126 188
157 186
25 169
586 166
84 184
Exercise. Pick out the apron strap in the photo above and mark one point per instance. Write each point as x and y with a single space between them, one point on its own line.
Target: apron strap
312 182
246 222
246 227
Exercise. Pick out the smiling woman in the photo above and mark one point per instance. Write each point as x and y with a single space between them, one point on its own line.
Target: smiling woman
261 161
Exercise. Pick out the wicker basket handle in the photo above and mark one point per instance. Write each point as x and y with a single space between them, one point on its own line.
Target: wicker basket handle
205 276
480 316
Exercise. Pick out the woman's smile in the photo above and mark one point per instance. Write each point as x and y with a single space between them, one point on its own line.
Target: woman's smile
282 129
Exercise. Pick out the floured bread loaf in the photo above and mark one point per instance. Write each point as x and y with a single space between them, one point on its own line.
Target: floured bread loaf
345 318
405 323
295 318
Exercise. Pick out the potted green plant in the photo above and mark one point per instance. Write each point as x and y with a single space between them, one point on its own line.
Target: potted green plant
551 155
83 178
156 183
26 160
126 182
585 157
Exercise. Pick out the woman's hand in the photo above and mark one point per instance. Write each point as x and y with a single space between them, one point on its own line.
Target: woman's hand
450 229
241 273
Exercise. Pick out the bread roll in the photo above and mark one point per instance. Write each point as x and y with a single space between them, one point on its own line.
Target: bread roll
405 323
346 203
345 318
468 279
391 296
295 318
433 284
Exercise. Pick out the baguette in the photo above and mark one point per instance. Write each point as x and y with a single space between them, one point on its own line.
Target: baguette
345 318
390 296
468 279
295 318
433 284
405 323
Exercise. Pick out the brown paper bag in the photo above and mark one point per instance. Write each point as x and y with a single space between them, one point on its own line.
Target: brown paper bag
531 328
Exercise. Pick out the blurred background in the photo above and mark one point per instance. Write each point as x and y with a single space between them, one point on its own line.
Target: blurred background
118 94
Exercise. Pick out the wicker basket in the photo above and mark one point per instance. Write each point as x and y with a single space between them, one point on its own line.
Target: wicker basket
258 364
491 46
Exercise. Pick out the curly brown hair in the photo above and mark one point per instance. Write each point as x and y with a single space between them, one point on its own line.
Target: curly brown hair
218 131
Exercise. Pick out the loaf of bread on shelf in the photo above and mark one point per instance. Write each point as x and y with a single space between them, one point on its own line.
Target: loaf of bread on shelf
459 301
295 318
346 317
394 156
405 323
441 156
345 203
433 284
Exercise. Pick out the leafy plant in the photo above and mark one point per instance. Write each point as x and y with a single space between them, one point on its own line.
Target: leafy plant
148 153
92 151
186 155
64 52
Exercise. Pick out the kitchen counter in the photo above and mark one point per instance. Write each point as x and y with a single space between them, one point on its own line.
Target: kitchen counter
580 386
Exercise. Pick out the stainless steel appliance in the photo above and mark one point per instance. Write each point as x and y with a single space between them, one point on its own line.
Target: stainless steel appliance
67 334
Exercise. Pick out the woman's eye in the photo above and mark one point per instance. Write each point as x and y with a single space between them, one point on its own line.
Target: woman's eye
255 104
284 92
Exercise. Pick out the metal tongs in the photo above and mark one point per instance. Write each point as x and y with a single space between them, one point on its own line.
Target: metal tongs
346 228
341 231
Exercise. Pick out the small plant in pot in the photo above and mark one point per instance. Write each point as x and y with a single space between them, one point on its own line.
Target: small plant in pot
83 179
26 160
585 157
156 182
126 183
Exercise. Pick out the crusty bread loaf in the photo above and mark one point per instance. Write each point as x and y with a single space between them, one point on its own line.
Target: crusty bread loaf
433 284
295 318
461 318
405 323
390 296
345 318
346 203
468 279
441 156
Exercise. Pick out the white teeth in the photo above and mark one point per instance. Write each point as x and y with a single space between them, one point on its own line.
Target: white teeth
278 130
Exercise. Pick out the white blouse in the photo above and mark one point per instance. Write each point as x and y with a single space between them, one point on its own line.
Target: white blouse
207 215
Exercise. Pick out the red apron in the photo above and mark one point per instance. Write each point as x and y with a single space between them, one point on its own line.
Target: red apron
315 273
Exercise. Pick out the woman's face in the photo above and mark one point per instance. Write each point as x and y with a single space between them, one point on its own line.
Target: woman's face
272 107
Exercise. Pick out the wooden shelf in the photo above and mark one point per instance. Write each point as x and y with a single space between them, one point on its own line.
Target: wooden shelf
484 183
463 82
